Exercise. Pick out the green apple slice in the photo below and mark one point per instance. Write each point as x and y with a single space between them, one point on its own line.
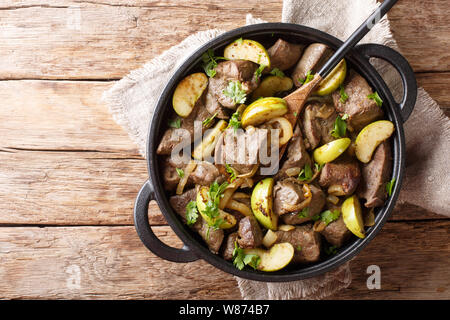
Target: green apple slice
246 49
228 220
330 151
370 137
352 215
261 203
333 80
274 259
187 92
263 110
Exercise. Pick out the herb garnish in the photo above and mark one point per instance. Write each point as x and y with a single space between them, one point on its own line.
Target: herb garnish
340 127
191 213
295 114
277 72
208 121
375 97
330 250
214 194
344 96
210 62
231 172
389 186
299 248
180 172
176 123
307 79
306 173
258 72
329 216
235 121
235 92
319 166
240 259
304 213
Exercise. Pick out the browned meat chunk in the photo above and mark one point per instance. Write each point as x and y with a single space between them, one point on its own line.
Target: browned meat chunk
343 175
250 234
179 202
306 243
296 155
336 233
213 106
204 173
284 55
229 246
313 58
287 194
233 70
318 122
375 175
360 109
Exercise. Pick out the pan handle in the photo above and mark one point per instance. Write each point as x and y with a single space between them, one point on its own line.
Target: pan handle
404 69
146 234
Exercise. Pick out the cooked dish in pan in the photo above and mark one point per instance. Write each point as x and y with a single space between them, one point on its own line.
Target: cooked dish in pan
260 191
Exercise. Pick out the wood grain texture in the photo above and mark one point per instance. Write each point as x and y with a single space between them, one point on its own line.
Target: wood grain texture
78 40
110 262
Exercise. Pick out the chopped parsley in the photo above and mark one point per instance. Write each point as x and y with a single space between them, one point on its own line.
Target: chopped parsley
240 259
299 248
319 166
235 121
231 172
331 250
208 121
176 123
277 72
389 186
191 213
214 194
180 172
210 62
329 216
307 79
304 213
235 92
340 127
258 72
295 114
344 96
375 97
306 173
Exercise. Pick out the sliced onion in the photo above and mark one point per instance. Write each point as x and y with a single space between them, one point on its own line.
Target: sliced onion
332 199
286 227
269 239
241 195
286 129
306 191
248 183
369 218
249 174
300 206
240 207
336 190
324 112
294 171
187 171
319 225
228 193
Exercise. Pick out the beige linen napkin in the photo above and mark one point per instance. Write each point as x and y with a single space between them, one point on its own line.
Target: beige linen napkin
132 99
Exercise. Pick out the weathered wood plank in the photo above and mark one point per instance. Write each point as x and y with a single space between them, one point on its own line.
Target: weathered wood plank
111 263
68 39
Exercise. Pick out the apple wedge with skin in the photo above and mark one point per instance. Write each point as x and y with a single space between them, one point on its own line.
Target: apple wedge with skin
262 202
274 259
228 220
330 151
187 92
370 137
263 110
246 49
352 215
272 85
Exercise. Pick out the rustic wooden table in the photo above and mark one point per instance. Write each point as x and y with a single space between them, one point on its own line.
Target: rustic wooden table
69 174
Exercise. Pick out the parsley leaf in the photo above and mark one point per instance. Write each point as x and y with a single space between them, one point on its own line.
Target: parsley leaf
235 121
214 194
277 72
299 248
344 96
319 166
208 121
180 172
389 186
191 213
340 128
306 173
231 172
295 114
329 216
210 62
240 259
304 213
258 72
175 123
330 250
235 92
375 97
307 79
